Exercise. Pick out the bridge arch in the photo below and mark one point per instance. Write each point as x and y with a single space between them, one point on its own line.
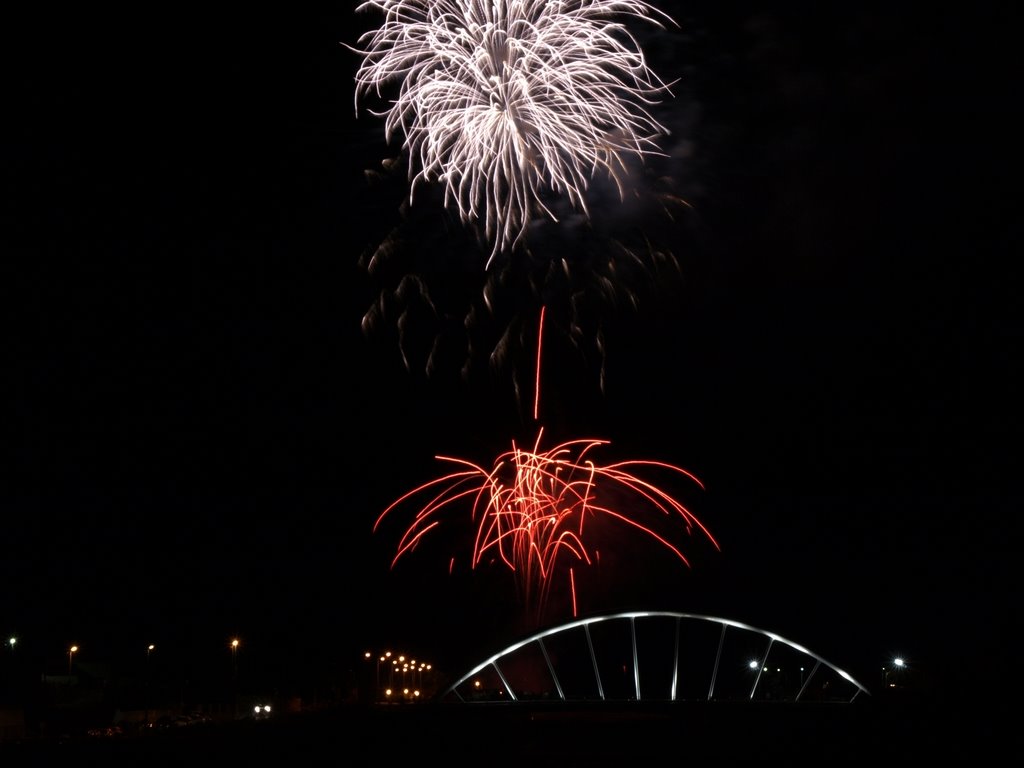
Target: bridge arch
657 656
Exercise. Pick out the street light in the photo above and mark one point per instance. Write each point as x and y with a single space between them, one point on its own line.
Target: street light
235 658
149 650
11 643
369 657
891 677
71 652
234 677
380 660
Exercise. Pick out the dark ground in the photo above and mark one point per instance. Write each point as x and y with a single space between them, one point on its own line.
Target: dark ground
789 734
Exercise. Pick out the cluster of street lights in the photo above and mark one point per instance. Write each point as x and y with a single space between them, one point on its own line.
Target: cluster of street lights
409 674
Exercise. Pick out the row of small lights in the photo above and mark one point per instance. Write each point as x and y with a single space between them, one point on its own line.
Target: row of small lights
259 709
406 666
898 663
13 641
149 648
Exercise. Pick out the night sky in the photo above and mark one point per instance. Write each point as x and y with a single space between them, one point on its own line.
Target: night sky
199 431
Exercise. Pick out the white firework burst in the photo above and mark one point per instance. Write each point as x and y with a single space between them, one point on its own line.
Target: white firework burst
506 102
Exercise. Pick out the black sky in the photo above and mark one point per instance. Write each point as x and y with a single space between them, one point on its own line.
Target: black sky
200 435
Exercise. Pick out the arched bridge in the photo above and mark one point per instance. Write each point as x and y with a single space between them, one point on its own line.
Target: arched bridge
654 656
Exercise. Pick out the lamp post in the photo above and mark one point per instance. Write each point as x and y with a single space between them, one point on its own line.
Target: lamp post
891 676
234 677
377 693
376 690
10 644
423 667
379 660
71 653
149 650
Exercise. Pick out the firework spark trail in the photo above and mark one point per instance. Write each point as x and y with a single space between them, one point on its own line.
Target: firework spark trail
504 101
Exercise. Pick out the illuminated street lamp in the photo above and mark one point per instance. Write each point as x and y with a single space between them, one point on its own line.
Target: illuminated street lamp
11 643
380 660
376 689
391 678
234 658
890 676
423 667
149 650
71 653
234 676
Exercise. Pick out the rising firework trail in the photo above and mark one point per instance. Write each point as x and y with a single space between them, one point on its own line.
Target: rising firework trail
508 103
535 508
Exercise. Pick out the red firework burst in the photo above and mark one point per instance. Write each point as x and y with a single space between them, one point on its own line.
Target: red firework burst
532 510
